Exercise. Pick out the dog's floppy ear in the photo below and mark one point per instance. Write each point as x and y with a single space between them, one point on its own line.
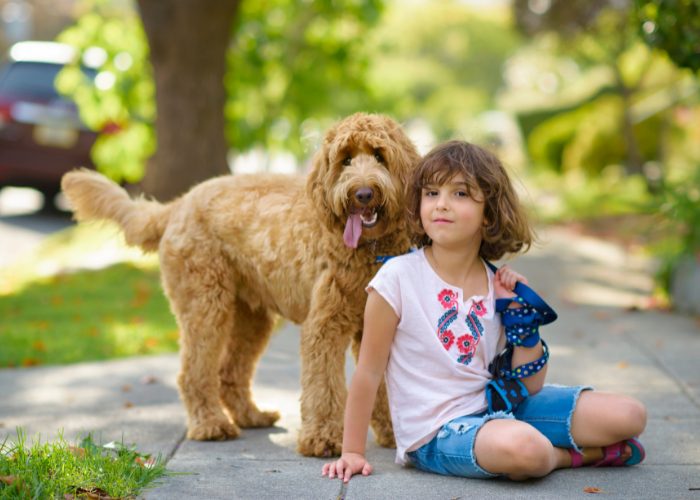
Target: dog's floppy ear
318 183
405 154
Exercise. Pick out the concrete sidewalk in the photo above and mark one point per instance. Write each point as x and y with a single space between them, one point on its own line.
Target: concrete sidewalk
601 339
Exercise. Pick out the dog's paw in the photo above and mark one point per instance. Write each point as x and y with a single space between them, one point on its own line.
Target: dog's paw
257 418
213 430
320 444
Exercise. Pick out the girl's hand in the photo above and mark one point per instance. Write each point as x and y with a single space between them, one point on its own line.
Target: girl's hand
347 465
504 282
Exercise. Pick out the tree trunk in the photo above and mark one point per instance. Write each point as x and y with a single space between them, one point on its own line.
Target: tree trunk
188 41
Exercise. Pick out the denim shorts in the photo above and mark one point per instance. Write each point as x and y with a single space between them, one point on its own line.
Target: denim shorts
451 451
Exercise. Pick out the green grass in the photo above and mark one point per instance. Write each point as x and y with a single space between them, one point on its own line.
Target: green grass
59 470
79 315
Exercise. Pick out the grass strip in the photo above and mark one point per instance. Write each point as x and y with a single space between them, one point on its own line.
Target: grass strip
87 470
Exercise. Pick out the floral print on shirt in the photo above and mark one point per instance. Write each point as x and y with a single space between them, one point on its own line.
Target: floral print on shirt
464 345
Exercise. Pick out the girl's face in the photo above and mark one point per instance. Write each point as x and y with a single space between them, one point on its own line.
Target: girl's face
450 216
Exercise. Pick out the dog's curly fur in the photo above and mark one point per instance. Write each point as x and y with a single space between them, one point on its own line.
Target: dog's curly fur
237 250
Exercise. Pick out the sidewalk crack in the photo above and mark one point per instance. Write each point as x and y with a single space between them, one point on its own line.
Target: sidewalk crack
175 448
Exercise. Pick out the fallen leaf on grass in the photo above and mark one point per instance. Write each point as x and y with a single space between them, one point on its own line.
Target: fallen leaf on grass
592 489
151 342
92 493
8 480
30 362
39 345
148 462
76 451
142 294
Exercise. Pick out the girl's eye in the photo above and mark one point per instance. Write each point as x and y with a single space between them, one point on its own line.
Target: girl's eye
429 192
462 194
347 160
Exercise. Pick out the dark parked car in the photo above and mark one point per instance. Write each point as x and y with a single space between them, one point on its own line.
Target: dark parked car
41 135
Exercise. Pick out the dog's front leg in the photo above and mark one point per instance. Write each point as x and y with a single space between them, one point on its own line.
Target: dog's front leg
381 415
325 337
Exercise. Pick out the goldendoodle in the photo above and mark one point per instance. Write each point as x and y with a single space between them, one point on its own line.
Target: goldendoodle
237 250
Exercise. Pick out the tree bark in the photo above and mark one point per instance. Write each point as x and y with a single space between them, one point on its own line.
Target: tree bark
188 41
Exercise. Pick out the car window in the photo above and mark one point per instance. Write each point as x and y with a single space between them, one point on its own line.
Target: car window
31 80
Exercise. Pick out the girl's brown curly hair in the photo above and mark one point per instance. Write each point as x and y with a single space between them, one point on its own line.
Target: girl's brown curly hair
506 229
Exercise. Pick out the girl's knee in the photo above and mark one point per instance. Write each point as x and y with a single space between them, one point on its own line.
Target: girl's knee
605 416
521 452
635 414
532 452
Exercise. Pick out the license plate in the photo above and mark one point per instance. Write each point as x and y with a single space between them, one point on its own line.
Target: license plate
60 137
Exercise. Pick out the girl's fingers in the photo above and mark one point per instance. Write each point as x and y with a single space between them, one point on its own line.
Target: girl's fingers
367 469
348 475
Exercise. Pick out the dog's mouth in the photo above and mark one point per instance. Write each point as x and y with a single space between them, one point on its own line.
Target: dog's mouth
363 219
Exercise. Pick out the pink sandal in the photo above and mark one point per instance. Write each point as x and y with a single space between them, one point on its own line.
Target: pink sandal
612 455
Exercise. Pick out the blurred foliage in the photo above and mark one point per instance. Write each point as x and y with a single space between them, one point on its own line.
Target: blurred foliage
674 27
120 102
440 61
293 64
600 97
605 115
288 61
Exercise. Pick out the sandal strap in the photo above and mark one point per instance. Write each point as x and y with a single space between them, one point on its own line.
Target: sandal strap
576 458
613 454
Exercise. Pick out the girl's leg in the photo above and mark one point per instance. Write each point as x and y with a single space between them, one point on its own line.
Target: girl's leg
602 418
517 449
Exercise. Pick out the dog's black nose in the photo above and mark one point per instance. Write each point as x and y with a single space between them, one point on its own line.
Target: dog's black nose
364 195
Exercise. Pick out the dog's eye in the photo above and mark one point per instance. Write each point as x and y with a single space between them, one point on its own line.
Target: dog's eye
347 160
378 156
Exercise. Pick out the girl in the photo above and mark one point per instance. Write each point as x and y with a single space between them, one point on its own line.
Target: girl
432 329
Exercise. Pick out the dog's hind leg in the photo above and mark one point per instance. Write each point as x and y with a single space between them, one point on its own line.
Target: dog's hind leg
202 298
244 346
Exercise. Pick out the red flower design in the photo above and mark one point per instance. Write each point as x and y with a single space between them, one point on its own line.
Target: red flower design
466 344
447 339
479 308
447 298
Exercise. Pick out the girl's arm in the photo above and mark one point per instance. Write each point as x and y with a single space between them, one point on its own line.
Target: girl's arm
378 334
504 283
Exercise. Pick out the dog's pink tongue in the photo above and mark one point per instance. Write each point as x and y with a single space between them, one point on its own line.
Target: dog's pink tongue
353 230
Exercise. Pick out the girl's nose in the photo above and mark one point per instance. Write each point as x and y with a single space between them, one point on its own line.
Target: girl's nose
441 202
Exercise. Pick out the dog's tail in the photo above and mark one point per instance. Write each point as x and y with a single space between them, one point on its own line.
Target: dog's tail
93 196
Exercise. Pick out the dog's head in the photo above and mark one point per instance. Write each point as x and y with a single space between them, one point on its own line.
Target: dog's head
359 177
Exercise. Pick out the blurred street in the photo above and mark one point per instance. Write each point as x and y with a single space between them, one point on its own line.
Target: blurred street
22 225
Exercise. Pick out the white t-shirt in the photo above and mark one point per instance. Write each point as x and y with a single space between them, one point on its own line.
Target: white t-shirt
444 342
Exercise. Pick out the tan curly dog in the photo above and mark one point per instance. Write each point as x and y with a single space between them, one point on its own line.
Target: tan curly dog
237 250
